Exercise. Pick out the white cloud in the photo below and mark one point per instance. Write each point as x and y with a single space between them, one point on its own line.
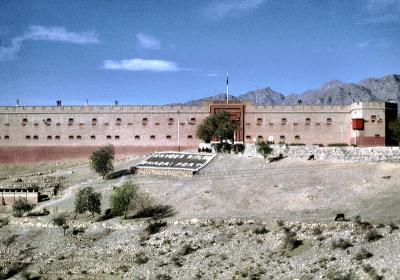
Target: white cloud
138 64
232 8
362 44
211 75
148 41
382 11
53 34
381 5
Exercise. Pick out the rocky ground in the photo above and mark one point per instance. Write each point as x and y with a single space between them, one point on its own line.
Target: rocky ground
239 218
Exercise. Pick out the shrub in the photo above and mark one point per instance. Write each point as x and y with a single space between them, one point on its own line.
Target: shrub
187 249
61 221
317 230
260 230
337 145
280 222
101 161
373 235
4 222
163 277
393 227
155 212
141 258
290 242
43 212
263 148
155 227
21 206
371 272
334 274
238 148
127 198
88 201
341 243
363 254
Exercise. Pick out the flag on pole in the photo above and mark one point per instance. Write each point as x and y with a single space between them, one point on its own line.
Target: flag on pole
227 80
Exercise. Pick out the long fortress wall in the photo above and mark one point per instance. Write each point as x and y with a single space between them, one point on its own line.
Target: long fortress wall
70 130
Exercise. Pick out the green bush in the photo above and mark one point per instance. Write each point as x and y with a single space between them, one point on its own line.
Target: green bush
337 145
363 254
21 206
218 126
88 201
141 258
101 161
127 198
61 221
263 148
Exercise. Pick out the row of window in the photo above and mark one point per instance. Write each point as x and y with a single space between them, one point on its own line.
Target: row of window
283 137
94 121
284 121
79 137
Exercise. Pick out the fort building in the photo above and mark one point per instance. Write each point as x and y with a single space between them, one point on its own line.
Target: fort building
151 128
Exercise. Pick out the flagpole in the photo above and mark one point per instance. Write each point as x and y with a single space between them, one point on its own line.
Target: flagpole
227 87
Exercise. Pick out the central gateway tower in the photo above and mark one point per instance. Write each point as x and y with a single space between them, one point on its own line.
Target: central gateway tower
236 112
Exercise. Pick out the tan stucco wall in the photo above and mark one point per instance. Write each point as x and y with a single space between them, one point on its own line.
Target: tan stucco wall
318 131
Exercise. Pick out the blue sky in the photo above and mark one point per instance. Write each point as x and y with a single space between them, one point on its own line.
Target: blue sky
164 51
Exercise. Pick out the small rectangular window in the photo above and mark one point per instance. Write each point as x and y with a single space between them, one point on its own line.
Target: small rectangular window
116 137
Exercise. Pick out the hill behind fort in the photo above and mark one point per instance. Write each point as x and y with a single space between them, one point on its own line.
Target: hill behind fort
331 93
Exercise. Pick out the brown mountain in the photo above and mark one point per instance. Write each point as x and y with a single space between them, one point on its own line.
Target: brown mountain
331 93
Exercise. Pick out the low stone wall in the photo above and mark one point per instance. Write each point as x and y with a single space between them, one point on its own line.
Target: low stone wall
376 154
164 172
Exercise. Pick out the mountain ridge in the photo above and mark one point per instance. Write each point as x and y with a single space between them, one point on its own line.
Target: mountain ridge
333 92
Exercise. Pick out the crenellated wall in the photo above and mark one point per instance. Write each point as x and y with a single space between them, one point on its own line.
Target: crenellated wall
137 128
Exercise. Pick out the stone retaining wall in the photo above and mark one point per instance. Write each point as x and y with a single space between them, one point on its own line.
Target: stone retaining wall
376 154
164 172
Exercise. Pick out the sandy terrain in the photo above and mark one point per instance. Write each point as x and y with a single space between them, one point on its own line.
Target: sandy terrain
217 230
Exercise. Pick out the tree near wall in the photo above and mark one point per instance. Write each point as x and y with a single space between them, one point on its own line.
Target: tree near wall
394 127
219 126
263 148
88 201
101 161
